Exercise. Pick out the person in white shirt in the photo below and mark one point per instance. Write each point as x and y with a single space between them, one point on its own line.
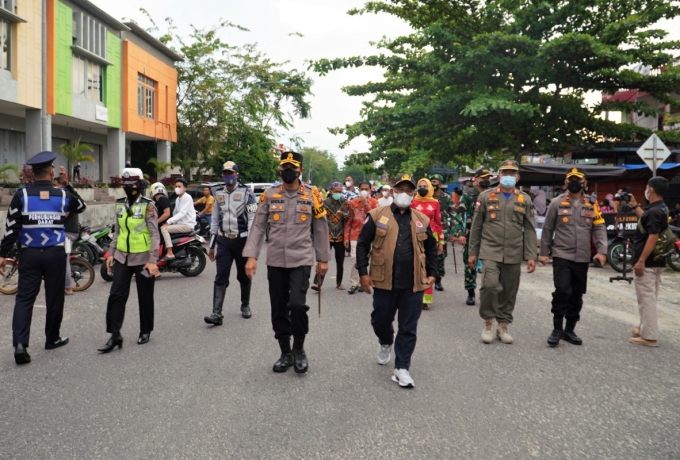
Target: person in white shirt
385 197
183 217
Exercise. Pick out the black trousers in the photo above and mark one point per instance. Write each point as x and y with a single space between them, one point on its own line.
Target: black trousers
36 264
570 280
339 248
227 252
120 291
288 295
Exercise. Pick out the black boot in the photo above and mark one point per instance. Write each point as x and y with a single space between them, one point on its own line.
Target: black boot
300 359
21 355
569 334
471 297
116 340
556 335
286 359
438 284
219 292
245 300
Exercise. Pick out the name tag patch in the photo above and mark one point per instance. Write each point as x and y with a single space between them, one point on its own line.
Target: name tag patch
45 195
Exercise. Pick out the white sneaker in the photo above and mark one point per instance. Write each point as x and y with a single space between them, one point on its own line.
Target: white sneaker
384 354
403 378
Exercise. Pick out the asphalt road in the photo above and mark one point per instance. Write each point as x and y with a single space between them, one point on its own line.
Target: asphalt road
195 391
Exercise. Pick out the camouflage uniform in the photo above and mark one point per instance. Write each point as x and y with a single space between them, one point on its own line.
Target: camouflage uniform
466 210
448 213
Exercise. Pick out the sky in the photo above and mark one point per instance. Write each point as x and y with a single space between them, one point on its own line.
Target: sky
328 32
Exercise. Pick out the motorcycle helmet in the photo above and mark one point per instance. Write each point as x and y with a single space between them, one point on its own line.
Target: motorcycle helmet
158 188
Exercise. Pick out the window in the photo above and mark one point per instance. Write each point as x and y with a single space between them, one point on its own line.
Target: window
89 34
146 97
5 44
87 78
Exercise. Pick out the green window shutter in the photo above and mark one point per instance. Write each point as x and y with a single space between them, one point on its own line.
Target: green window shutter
112 80
63 59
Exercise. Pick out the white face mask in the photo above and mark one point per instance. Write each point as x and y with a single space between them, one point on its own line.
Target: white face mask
385 194
363 193
178 190
647 194
402 200
348 184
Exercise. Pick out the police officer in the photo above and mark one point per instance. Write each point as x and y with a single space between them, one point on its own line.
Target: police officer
463 223
133 251
233 215
298 231
448 212
572 219
403 265
502 235
35 219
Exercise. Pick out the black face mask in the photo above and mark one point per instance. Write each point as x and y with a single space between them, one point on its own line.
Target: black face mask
422 191
485 183
574 187
131 192
289 176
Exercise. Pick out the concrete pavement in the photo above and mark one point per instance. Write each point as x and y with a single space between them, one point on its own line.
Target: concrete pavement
200 392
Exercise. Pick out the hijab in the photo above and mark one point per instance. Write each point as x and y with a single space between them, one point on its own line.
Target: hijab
430 193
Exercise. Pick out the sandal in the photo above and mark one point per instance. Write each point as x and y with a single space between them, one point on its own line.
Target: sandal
340 287
68 291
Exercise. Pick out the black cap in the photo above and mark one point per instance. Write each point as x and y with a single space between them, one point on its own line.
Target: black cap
291 157
509 164
403 178
42 160
482 172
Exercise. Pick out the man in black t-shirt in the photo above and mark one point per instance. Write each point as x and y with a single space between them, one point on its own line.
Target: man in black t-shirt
162 203
653 221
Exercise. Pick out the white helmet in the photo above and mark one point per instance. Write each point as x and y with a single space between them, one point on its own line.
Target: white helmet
158 188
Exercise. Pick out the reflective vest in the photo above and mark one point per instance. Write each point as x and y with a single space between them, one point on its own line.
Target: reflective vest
43 210
133 236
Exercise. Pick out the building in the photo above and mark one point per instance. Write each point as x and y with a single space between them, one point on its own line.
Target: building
107 84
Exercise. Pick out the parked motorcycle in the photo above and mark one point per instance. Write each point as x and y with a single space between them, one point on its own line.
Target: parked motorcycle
95 241
617 250
202 227
673 257
190 256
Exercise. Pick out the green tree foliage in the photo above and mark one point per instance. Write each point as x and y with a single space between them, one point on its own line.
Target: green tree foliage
477 78
75 153
322 165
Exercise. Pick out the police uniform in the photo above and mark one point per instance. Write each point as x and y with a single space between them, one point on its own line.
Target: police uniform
298 232
503 234
134 243
403 254
569 226
233 215
35 220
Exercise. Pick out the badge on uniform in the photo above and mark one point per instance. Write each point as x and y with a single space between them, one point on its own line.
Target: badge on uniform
45 195
276 207
238 196
303 208
492 215
220 199
520 198
137 212
382 222
303 217
565 219
276 216
419 227
277 195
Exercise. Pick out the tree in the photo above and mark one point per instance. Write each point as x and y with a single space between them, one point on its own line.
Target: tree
478 78
160 168
320 165
74 154
6 169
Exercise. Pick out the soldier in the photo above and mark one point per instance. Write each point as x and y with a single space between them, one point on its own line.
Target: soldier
463 223
233 215
35 219
573 220
502 235
296 213
448 212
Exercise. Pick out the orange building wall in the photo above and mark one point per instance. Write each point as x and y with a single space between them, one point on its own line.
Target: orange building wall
136 61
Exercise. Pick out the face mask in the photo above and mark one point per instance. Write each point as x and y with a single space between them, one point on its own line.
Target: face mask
385 194
435 187
364 194
508 181
130 191
422 191
402 200
230 180
574 187
178 190
289 176
485 183
337 196
348 184
647 194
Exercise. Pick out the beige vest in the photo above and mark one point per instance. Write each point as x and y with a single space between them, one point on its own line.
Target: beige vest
385 241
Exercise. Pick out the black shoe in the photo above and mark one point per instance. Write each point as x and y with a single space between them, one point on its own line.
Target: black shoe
21 355
352 290
213 319
438 286
143 338
59 343
571 337
315 288
245 311
555 337
471 297
114 341
284 362
300 358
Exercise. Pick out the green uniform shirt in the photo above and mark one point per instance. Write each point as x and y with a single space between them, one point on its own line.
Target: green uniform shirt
463 219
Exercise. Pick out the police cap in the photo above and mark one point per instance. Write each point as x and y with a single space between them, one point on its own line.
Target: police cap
578 172
42 160
132 175
509 164
293 158
482 172
230 166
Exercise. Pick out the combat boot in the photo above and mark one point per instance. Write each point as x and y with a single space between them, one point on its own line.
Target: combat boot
569 334
471 297
556 335
219 292
487 332
245 301
502 333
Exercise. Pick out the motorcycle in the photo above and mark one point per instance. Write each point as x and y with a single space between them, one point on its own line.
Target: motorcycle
190 256
95 242
617 250
673 257
202 227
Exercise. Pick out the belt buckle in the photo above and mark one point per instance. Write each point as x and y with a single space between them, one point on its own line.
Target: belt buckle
231 236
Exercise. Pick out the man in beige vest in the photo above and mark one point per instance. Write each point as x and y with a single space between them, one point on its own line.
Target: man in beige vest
403 263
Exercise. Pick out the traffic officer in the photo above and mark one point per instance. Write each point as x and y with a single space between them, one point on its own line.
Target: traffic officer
299 230
403 264
233 215
35 220
463 222
448 212
570 223
133 251
502 235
